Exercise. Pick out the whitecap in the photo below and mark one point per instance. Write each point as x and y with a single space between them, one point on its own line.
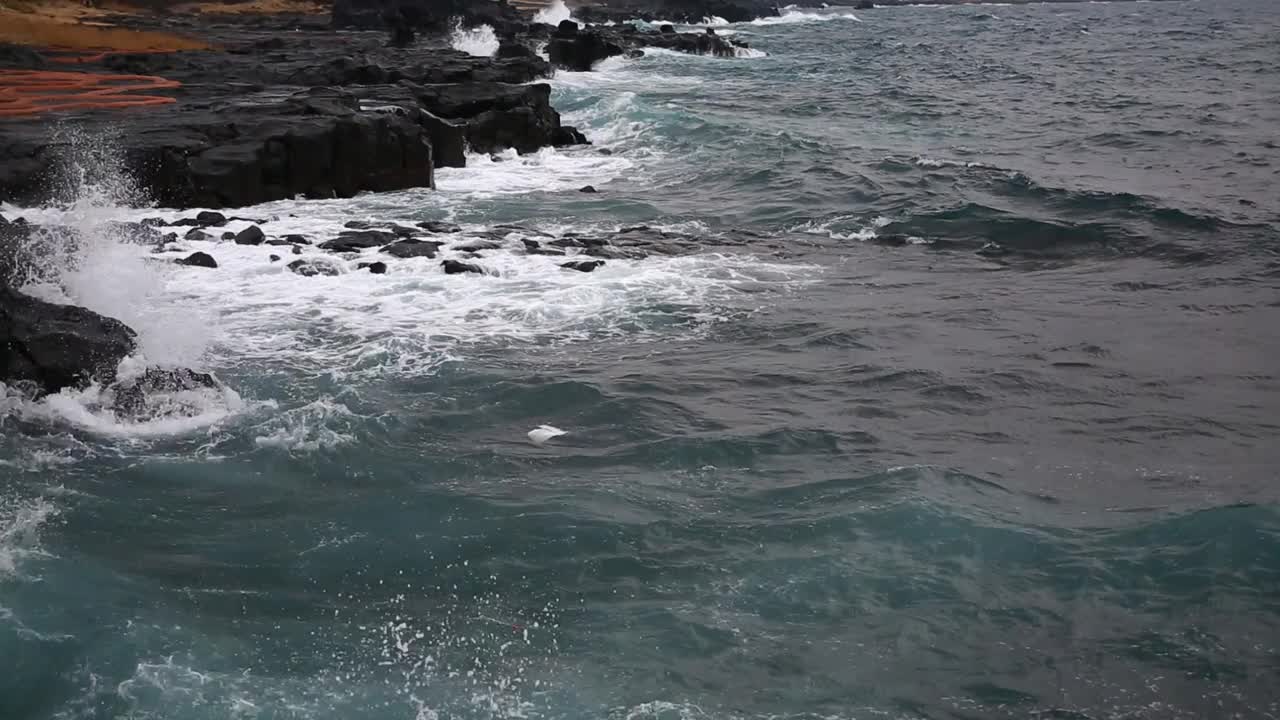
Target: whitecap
479 41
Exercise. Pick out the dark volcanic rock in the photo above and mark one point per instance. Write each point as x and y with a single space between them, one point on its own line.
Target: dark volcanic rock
198 259
251 235
211 219
197 234
312 268
57 346
377 268
568 135
581 50
583 265
133 397
352 241
589 189
439 227
454 267
413 248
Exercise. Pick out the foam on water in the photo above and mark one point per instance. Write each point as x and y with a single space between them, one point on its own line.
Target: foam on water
479 41
20 523
792 15
554 14
322 424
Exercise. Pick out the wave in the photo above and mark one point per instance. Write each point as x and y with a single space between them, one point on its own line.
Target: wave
793 15
478 41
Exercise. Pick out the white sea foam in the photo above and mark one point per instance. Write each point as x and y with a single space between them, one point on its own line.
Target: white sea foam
554 14
20 523
322 424
542 434
479 41
793 15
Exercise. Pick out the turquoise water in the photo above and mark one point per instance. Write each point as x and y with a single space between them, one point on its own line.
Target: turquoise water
951 393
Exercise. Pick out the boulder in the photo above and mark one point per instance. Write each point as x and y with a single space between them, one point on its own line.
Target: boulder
583 265
133 397
439 227
251 235
454 267
412 248
589 189
377 268
197 259
51 346
353 241
211 219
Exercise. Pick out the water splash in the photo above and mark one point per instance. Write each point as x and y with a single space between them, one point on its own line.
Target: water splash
554 14
82 254
478 41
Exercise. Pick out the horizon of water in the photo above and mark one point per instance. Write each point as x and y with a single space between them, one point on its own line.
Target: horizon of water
954 397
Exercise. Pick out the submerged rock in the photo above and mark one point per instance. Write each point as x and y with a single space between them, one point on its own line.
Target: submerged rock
313 268
55 346
351 241
377 268
439 227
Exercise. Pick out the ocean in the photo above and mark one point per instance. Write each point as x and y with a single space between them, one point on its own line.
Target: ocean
950 390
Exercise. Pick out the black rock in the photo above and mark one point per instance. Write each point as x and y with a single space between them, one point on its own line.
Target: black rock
477 245
377 268
583 265
312 268
358 225
197 234
211 219
439 227
198 259
131 397
228 235
402 231
351 241
667 30
297 239
153 222
566 135
589 189
277 242
273 258
413 248
453 267
606 151
297 249
566 29
56 346
251 235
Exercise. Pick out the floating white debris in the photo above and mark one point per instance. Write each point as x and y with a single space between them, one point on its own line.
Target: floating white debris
541 434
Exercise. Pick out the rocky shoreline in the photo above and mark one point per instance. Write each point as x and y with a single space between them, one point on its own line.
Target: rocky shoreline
373 99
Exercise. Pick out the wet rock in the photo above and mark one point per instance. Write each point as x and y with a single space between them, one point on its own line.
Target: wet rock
313 268
580 50
251 235
583 265
209 218
297 249
589 189
198 259
477 246
352 241
228 235
297 239
136 396
413 248
667 30
567 135
273 258
439 227
153 222
51 346
277 242
402 231
567 242
454 267
605 151
358 225
197 234
377 268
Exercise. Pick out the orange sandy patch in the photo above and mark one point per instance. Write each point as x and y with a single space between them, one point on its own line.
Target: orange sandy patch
65 32
30 92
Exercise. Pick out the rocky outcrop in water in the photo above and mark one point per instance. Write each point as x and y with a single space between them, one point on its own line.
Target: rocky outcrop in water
50 346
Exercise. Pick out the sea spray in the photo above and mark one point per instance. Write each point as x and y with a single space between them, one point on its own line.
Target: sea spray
82 253
554 14
479 41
